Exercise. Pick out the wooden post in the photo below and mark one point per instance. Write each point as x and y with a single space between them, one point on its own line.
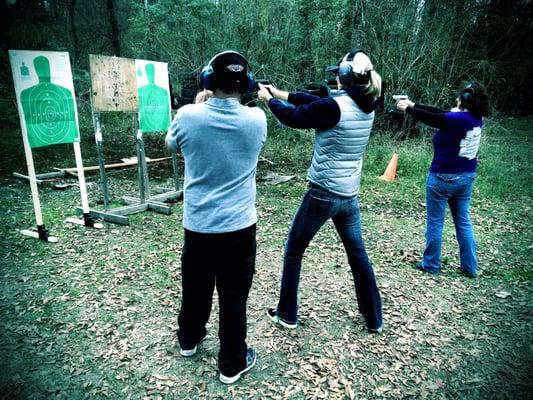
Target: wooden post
145 170
41 233
81 178
86 212
33 178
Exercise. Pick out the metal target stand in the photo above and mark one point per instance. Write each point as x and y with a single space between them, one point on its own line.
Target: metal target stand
154 203
133 205
144 202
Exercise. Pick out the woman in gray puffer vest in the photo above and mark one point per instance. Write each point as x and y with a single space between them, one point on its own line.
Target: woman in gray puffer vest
343 122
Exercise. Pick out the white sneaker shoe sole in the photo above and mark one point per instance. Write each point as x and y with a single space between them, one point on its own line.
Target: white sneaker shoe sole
189 353
228 380
279 321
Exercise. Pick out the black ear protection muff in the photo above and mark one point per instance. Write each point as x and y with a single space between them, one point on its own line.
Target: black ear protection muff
207 76
346 75
467 95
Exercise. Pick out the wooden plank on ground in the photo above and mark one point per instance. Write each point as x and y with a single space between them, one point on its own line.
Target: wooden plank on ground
127 163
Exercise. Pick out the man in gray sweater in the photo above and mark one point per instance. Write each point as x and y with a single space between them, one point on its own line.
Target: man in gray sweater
220 140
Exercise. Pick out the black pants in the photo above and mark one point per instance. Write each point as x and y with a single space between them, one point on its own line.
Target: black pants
226 260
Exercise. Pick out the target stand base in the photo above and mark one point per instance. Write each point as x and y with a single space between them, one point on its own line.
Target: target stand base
81 221
149 205
35 235
41 178
115 215
170 196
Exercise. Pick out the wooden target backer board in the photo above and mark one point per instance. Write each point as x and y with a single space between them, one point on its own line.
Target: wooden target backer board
114 84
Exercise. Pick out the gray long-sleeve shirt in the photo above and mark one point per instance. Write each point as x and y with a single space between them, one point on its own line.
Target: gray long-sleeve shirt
220 141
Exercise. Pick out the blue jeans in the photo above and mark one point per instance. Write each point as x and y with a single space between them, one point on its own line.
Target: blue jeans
317 207
456 191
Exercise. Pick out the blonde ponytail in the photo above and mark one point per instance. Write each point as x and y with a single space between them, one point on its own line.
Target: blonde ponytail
374 84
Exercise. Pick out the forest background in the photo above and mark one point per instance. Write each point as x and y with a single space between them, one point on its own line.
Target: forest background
425 48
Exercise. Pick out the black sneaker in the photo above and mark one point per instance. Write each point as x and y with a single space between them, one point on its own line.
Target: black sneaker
251 358
273 315
191 352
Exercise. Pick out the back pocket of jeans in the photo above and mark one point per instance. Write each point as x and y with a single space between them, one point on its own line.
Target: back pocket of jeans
448 177
319 206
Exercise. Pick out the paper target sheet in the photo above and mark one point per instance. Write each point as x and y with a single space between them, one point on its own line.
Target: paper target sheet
154 95
45 95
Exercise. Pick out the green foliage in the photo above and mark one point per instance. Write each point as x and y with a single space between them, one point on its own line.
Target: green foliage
508 169
289 149
423 48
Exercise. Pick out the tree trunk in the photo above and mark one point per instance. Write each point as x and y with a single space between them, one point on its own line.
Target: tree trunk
3 22
306 63
113 22
71 7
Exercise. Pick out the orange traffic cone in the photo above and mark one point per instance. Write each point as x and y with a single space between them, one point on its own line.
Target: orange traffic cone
390 172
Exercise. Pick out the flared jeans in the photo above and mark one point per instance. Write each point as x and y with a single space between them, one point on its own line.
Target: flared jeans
317 207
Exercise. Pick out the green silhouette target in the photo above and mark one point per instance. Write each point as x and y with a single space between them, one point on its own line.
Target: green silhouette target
154 96
48 107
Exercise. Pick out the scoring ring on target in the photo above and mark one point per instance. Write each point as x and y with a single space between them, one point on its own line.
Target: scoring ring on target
155 107
49 114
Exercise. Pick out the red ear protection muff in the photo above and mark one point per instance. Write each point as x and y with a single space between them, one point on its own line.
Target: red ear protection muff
207 76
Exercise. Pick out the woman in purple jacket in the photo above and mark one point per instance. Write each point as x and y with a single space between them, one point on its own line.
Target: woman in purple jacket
452 173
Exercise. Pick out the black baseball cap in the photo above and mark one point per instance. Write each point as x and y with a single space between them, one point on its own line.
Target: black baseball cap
229 67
